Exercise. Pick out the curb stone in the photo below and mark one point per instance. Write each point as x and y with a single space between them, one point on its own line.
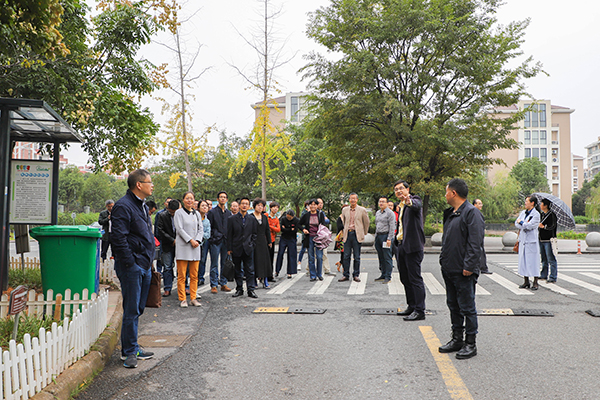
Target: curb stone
85 368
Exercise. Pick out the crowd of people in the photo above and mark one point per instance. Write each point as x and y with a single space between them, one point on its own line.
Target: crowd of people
187 231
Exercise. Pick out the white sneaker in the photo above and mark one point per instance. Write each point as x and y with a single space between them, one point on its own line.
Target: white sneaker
299 266
183 304
195 303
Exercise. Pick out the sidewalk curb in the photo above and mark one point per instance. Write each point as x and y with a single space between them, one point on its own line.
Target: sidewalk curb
87 367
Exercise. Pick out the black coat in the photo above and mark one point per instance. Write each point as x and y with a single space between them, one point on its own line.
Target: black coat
218 225
262 260
241 238
163 224
549 230
412 226
289 228
104 221
462 241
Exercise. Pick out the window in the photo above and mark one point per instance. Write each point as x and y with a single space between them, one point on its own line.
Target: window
543 155
535 137
543 137
527 137
527 117
534 116
527 153
542 115
535 152
294 108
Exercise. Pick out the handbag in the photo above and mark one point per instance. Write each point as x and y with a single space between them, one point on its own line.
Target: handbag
154 297
554 245
228 269
516 246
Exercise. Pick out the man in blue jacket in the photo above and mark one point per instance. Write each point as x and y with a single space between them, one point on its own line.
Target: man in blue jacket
133 245
460 260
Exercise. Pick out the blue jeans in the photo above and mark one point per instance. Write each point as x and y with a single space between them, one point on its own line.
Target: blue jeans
217 250
460 298
202 265
302 251
135 283
159 263
316 271
384 255
290 245
168 261
548 258
351 245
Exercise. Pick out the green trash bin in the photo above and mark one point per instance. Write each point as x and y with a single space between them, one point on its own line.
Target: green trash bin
69 258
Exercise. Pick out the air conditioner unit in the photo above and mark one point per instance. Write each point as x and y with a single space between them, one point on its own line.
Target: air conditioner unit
555 160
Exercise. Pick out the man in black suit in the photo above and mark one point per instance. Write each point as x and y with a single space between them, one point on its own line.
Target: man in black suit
106 223
410 240
165 230
241 238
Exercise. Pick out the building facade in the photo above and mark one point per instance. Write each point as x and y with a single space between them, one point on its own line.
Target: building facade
593 158
545 134
578 172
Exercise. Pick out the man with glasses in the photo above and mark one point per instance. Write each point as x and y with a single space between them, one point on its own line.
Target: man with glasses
218 217
133 245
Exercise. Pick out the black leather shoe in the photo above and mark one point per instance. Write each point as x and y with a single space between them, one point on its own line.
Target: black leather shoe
408 311
415 316
344 279
238 293
469 349
252 294
455 344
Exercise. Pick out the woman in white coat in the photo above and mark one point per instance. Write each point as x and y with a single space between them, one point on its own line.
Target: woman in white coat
189 234
529 248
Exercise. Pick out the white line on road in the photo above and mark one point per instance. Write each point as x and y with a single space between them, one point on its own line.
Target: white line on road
321 286
581 283
591 275
513 287
359 287
480 291
282 287
395 286
555 288
432 284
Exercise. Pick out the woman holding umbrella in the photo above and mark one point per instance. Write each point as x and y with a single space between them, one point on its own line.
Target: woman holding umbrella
529 249
547 231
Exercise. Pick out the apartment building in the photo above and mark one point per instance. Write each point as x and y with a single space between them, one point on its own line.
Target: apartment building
593 158
289 108
545 134
578 172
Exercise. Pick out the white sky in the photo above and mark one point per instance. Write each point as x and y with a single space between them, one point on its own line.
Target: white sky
562 36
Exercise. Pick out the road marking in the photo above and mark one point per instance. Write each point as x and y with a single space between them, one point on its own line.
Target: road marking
454 383
555 288
282 287
203 288
395 286
321 286
359 287
513 287
432 284
581 283
480 291
591 275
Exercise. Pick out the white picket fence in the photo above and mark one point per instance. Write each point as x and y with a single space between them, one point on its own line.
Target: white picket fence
25 369
107 271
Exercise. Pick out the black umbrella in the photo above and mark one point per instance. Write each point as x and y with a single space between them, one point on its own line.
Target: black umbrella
564 216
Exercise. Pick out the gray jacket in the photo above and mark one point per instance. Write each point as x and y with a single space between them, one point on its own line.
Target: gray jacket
188 226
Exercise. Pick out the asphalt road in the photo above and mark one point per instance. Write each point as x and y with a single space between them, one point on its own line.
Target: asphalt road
230 352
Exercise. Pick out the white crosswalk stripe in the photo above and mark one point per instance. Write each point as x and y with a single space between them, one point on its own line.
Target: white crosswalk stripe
579 282
556 288
513 287
395 287
321 286
359 287
432 284
283 286
480 291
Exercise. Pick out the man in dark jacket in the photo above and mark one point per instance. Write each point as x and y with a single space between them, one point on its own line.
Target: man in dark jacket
410 240
166 235
218 217
105 222
133 245
460 260
241 238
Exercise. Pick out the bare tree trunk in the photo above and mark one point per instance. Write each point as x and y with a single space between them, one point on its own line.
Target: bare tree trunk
186 157
263 167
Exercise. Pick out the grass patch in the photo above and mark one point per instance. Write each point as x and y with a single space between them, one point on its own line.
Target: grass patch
27 324
30 277
571 235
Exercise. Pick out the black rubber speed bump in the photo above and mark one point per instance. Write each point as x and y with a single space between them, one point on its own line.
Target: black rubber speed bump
514 312
388 311
289 310
593 313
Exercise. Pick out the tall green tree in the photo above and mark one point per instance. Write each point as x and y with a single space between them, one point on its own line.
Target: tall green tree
531 175
70 185
88 69
410 91
96 190
579 198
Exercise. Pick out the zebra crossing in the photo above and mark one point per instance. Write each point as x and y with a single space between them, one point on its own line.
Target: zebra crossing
571 278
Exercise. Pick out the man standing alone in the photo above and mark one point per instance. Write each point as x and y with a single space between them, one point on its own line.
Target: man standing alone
460 260
356 226
410 240
133 244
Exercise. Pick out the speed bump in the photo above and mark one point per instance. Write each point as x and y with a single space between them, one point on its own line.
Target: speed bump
515 312
289 310
388 311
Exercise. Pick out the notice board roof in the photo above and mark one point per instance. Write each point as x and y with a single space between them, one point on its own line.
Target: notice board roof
36 121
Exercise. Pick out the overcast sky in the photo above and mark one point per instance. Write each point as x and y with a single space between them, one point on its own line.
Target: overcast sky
562 36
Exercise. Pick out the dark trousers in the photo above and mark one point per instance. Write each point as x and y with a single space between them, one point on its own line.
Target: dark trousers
290 245
135 283
244 267
460 298
104 248
409 266
384 255
351 246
